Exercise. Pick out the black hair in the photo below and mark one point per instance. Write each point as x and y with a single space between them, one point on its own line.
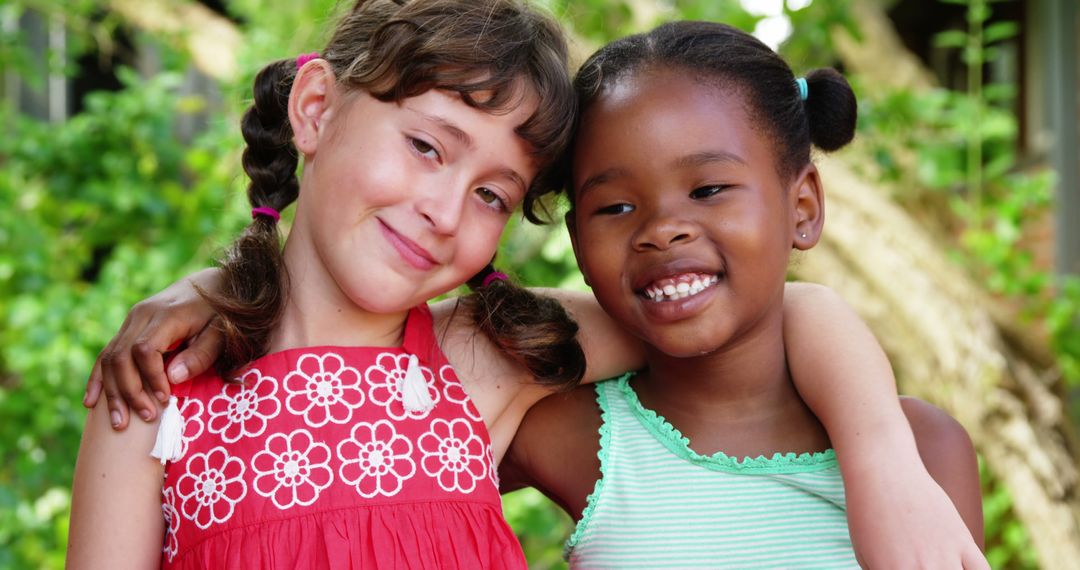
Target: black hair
732 59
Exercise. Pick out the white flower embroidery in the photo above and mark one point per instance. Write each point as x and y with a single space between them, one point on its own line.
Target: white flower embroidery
386 377
172 523
453 454
243 409
292 469
376 459
212 484
191 411
455 392
492 467
322 389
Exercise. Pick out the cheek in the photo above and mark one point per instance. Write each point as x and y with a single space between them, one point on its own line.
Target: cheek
477 245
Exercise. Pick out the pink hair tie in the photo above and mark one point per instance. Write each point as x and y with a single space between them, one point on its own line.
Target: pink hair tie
304 58
494 276
265 211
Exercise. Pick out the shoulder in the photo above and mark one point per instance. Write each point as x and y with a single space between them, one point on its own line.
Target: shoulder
939 435
949 456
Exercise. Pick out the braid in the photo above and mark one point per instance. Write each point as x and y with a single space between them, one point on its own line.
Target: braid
533 330
254 278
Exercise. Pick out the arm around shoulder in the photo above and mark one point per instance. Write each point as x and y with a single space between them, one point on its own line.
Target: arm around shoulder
609 349
116 517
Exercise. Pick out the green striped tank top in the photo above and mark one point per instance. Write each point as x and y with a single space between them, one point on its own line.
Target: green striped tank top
659 504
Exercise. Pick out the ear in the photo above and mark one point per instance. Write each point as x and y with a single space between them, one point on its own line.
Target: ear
571 226
807 208
313 91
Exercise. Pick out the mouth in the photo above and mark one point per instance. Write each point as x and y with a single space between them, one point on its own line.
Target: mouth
414 254
678 287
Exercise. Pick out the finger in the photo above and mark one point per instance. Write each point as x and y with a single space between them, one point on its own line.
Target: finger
199 355
118 417
124 388
149 357
93 386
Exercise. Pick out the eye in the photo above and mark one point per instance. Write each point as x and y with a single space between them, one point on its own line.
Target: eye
491 198
707 191
423 148
615 209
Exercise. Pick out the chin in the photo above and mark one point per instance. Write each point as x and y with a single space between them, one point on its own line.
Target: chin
684 346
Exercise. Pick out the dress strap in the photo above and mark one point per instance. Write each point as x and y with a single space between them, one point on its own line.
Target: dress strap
420 336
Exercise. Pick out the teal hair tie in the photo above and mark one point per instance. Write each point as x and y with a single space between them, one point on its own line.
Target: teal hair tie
804 90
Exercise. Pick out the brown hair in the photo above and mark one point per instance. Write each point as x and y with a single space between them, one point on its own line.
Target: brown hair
395 49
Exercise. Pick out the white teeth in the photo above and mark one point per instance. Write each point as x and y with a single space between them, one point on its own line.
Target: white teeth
680 290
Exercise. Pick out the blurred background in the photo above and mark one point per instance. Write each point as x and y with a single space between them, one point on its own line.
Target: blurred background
954 220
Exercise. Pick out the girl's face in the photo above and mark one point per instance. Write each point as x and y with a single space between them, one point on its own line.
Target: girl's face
402 202
681 224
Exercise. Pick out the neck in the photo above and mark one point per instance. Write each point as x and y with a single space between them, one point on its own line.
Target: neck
747 377
318 313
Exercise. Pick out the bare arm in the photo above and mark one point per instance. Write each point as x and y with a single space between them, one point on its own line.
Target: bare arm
609 349
899 517
116 519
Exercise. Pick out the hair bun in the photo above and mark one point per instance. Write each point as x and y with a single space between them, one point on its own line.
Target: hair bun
831 109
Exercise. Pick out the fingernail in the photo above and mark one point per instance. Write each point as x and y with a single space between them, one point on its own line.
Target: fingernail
178 373
145 415
160 395
115 418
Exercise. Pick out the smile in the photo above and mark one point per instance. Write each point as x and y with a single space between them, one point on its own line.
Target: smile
679 286
411 252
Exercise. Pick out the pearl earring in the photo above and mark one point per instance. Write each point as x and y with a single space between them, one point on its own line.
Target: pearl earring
802 236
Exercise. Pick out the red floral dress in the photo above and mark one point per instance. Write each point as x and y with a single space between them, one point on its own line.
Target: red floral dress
316 460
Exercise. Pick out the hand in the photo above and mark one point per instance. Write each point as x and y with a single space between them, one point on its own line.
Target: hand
132 366
900 518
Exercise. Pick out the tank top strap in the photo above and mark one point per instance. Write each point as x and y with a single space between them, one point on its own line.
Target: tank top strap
420 337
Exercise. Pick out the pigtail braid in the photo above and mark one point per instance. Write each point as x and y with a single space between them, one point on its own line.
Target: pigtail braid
534 330
254 278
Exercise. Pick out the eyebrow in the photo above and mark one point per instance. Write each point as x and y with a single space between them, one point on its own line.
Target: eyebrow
515 178
706 157
600 178
454 130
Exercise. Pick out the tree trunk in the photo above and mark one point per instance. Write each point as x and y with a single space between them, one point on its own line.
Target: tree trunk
949 342
935 323
212 41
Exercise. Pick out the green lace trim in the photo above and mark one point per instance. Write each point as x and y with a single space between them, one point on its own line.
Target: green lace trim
674 440
605 441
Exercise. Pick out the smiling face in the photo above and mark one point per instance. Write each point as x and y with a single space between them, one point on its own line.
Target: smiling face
681 223
401 202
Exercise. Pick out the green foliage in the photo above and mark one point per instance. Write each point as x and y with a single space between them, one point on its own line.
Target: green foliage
540 526
104 209
1007 545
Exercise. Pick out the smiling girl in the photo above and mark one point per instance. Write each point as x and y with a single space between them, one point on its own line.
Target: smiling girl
692 184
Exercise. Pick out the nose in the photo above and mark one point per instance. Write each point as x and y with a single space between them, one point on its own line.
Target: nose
664 231
442 207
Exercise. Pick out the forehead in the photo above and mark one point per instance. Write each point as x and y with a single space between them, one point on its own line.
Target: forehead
660 114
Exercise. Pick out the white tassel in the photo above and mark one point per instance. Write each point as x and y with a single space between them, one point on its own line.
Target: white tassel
414 389
170 434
